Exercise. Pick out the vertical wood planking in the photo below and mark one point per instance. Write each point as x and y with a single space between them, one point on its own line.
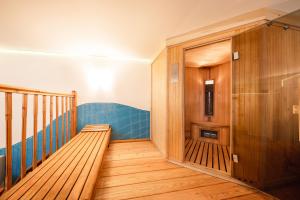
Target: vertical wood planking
8 116
24 127
159 102
56 122
62 122
51 125
44 130
67 121
35 116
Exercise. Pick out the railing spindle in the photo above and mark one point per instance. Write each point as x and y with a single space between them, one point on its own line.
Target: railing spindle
71 118
44 130
68 125
62 122
74 93
67 121
24 129
51 125
35 116
8 116
56 122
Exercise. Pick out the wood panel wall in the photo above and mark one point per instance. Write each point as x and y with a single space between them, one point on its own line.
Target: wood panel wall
159 102
194 95
266 86
175 105
176 90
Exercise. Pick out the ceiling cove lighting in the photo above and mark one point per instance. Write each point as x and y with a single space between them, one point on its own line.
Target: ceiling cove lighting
62 54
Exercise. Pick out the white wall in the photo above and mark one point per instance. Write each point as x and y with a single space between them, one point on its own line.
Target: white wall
95 80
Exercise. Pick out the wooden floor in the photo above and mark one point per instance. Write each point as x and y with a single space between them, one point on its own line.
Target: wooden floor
206 154
136 170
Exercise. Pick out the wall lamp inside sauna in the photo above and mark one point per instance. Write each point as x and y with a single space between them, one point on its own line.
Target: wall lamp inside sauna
64 54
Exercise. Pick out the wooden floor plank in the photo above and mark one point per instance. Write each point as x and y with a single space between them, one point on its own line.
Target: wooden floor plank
226 158
130 162
186 142
157 187
215 157
205 155
195 153
190 152
254 196
221 159
210 156
200 153
137 168
143 179
149 176
187 148
223 191
132 155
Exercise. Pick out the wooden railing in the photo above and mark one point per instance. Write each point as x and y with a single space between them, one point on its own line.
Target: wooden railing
68 103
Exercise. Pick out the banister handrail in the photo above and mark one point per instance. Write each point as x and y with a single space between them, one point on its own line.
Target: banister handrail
23 90
68 104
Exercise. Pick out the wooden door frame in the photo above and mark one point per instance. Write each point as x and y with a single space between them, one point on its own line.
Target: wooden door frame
202 44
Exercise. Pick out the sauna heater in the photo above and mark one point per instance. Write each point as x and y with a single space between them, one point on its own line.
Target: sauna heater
209 134
209 97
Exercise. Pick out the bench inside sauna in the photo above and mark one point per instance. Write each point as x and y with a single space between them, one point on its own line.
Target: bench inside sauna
207 97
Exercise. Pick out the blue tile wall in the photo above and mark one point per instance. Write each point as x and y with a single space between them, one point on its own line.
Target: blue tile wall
127 123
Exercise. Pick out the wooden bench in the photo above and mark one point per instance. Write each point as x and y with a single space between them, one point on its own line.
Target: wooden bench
70 173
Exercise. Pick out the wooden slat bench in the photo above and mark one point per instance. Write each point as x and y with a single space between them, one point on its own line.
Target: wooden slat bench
70 173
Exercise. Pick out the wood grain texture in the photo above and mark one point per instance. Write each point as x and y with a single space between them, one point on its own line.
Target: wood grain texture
74 109
56 122
24 130
175 106
62 121
194 92
8 119
35 131
44 153
51 126
67 120
127 179
265 89
159 102
70 172
175 55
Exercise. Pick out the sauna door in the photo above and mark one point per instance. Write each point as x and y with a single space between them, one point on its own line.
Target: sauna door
265 105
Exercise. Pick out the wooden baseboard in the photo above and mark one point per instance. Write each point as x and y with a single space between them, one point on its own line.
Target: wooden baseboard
130 140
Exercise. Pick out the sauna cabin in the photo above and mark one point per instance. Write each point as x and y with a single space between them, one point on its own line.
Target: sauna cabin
150 100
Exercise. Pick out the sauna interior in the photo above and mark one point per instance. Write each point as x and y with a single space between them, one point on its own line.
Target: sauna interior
150 100
207 101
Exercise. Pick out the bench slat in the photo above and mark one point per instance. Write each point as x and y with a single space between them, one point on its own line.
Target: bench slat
66 166
87 192
68 173
61 185
79 176
48 163
33 184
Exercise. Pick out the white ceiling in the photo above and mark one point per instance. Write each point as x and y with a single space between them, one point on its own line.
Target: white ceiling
127 28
